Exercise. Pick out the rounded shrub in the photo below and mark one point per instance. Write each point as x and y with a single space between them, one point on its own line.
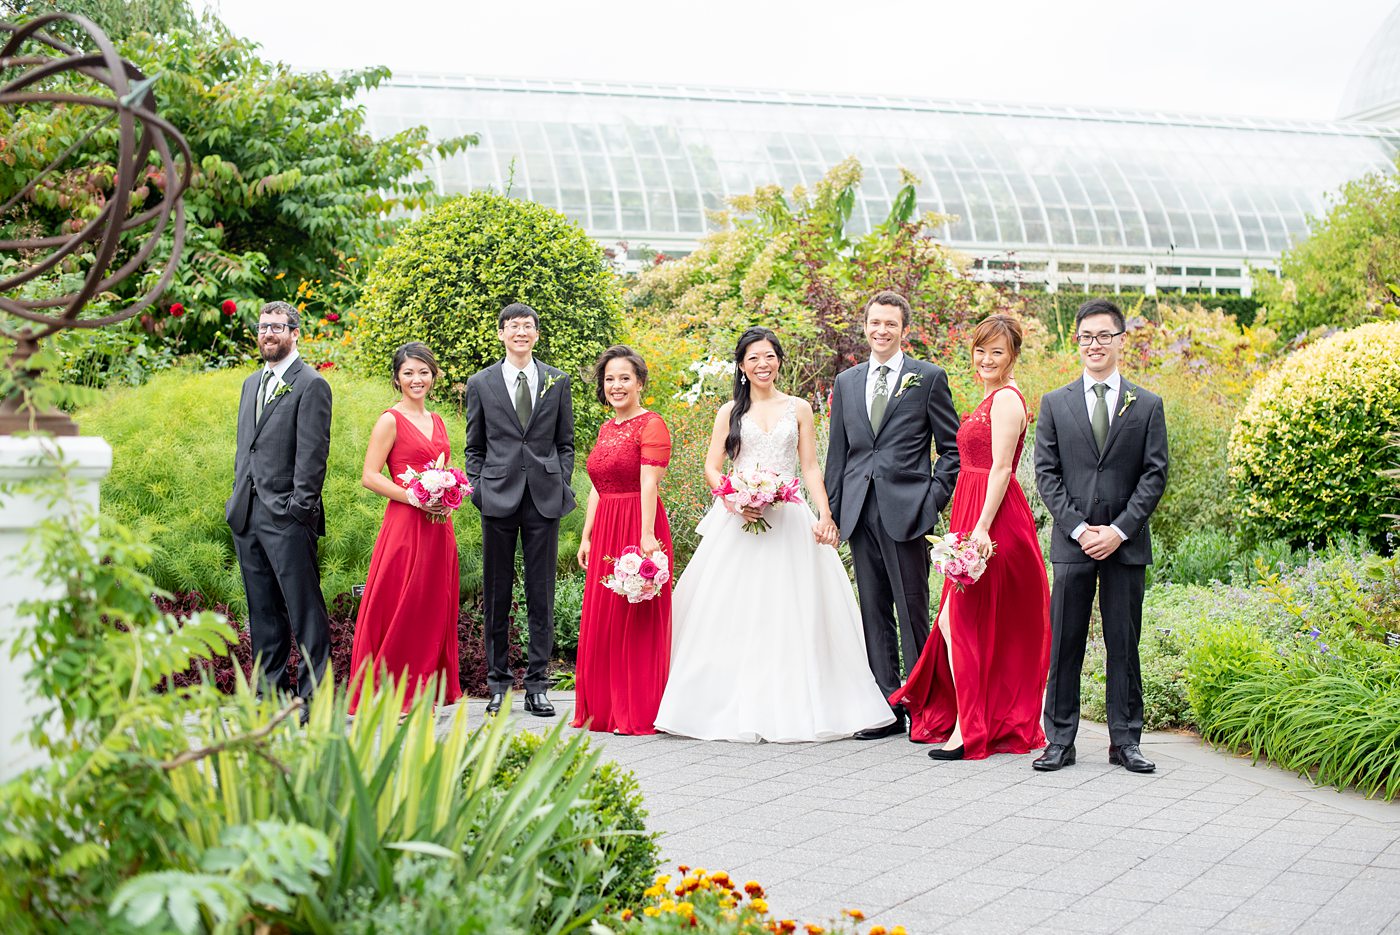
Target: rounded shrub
172 471
450 272
1307 450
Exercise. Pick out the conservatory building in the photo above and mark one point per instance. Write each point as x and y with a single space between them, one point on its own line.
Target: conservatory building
1056 197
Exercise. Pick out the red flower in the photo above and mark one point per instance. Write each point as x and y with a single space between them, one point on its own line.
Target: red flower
332 316
229 306
177 309
326 365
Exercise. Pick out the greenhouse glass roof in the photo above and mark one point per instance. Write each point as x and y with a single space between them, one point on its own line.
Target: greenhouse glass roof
641 163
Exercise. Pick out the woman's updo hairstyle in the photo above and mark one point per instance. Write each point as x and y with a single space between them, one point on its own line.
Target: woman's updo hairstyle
413 350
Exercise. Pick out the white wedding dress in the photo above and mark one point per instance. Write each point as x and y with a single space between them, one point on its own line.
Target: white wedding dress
767 641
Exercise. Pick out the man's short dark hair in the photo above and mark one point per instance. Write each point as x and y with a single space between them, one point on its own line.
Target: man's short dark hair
888 297
516 310
282 308
1101 307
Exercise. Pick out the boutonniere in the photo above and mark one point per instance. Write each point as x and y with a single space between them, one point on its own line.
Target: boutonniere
1128 399
908 380
282 390
549 381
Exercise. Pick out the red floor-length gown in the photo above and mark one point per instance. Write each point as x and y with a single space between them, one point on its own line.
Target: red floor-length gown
1000 625
624 649
407 622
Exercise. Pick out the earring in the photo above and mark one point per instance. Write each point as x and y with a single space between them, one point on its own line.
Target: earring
743 379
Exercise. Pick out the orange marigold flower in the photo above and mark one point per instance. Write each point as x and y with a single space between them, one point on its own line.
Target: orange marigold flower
753 889
683 869
898 930
878 930
627 915
855 914
814 929
787 926
759 905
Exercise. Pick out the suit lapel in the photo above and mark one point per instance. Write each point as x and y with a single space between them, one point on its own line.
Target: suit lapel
543 380
1120 415
289 378
895 394
1079 414
857 398
496 384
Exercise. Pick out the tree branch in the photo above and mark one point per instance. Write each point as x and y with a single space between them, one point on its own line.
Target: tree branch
255 737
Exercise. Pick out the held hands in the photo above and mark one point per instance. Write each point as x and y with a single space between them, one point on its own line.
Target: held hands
649 544
826 532
1099 542
435 509
983 540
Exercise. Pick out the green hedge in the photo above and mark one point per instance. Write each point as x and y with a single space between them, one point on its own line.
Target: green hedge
172 470
1056 309
449 273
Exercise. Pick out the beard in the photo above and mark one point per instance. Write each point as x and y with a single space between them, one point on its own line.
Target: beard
274 354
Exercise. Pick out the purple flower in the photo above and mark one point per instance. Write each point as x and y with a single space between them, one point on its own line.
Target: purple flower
1314 633
1325 649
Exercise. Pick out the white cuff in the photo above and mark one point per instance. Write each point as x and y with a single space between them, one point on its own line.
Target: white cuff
1078 531
1121 534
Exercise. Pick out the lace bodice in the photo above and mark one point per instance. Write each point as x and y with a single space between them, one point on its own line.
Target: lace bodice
775 450
975 437
615 463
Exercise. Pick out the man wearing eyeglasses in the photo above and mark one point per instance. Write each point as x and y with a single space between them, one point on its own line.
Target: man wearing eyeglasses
279 466
519 456
1101 468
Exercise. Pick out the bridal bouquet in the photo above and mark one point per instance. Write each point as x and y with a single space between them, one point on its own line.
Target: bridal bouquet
436 485
956 558
756 487
637 576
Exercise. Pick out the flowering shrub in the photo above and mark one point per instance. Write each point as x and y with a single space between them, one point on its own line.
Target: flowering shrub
714 903
1307 449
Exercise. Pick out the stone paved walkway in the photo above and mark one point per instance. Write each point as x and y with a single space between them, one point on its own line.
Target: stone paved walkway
1207 843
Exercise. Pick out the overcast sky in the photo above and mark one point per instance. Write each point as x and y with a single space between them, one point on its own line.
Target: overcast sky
1286 58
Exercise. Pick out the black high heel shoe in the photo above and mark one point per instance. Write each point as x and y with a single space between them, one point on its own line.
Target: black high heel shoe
941 754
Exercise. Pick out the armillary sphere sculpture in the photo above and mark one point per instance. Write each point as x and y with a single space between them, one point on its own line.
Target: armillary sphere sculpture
36 69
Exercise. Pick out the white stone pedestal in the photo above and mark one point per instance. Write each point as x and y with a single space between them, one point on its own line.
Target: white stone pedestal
89 460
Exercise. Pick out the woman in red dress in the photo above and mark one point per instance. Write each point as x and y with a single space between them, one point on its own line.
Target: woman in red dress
978 686
407 625
624 649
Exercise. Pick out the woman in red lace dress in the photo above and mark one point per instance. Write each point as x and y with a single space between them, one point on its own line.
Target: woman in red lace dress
624 649
407 624
978 686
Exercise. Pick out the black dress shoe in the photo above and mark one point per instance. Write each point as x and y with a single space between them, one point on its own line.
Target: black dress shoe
538 705
899 726
1056 756
493 706
1129 756
941 753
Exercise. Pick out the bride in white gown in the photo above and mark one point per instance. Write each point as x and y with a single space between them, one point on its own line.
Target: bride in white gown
766 641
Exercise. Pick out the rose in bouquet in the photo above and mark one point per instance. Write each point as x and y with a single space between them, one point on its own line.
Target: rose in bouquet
638 576
756 488
956 557
436 485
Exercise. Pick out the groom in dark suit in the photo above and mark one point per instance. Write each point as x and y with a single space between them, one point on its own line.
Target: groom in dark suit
520 459
275 513
887 414
1101 467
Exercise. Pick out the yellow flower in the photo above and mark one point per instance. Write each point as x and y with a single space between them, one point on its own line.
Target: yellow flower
663 879
759 904
652 891
898 930
814 929
280 275
685 909
878 930
350 259
855 914
627 915
667 905
651 911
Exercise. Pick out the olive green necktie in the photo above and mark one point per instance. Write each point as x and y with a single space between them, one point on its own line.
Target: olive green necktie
1099 419
882 398
523 404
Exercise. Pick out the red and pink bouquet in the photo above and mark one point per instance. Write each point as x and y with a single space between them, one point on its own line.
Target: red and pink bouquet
956 558
436 485
759 488
638 576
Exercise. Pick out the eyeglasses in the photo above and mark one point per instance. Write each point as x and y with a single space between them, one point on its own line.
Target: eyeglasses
1103 337
519 327
271 327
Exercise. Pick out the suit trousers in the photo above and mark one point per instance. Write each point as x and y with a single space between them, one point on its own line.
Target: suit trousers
539 539
283 583
1120 590
891 577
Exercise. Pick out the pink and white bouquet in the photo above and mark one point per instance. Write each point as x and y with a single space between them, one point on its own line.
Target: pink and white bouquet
436 485
759 488
638 576
956 558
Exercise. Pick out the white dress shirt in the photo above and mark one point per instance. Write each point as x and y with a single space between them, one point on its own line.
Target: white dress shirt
279 370
896 364
532 378
1110 398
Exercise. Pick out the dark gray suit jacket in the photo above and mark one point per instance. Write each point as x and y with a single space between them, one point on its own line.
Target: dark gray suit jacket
912 488
504 461
1122 486
281 458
